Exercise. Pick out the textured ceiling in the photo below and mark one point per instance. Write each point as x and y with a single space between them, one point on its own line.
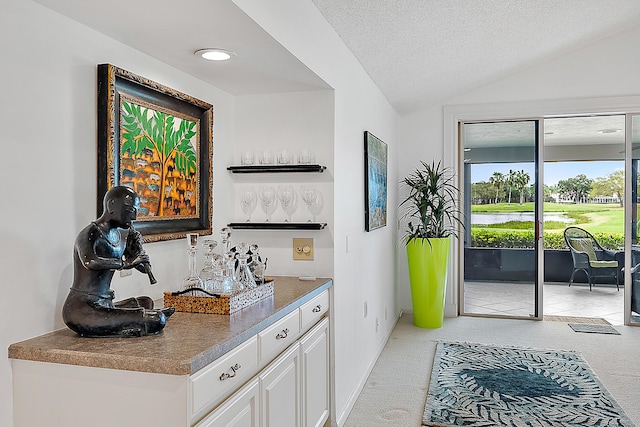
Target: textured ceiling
171 32
420 52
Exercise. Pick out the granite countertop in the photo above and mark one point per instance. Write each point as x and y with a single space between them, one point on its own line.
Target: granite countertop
189 342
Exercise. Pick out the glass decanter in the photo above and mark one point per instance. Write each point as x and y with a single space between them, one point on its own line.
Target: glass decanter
221 284
230 272
256 265
225 237
206 274
243 273
192 280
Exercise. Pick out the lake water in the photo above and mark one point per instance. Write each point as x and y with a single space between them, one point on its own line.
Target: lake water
500 217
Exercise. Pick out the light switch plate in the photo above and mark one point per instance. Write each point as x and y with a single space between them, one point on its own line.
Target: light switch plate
302 249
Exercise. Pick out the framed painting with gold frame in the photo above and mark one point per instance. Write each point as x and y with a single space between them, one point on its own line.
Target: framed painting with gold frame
158 141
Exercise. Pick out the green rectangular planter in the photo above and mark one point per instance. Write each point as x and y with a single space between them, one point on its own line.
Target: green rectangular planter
428 265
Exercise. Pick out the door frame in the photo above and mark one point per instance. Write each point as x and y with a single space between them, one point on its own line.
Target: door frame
452 158
538 180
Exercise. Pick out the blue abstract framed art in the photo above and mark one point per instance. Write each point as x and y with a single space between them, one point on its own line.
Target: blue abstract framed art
375 181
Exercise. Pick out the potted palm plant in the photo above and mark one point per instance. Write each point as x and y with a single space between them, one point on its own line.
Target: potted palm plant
432 217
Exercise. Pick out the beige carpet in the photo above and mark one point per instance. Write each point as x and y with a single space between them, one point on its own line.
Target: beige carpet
395 392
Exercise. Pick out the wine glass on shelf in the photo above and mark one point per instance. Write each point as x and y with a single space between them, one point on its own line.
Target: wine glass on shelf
248 202
316 207
309 195
268 200
288 200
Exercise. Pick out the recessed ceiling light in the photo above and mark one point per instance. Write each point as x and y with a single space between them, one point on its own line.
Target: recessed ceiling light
214 54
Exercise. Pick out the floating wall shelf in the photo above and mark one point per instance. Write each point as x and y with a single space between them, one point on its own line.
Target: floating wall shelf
277 225
276 168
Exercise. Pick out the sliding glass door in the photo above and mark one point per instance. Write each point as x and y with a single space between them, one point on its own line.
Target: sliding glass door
501 185
632 258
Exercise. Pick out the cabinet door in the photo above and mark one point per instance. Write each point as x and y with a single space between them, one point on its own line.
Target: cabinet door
280 390
240 410
314 348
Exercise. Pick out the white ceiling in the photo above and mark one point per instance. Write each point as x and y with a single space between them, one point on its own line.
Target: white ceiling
154 27
583 131
420 52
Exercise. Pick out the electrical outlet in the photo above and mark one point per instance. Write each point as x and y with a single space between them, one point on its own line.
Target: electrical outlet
302 249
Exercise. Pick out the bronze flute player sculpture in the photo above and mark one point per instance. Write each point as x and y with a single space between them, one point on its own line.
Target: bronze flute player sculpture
99 251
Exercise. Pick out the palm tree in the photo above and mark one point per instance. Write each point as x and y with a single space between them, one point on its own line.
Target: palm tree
509 182
521 180
497 180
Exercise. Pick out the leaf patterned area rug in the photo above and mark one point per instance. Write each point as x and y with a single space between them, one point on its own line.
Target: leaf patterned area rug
485 385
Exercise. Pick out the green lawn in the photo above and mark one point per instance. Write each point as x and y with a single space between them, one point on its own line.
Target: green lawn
596 218
548 207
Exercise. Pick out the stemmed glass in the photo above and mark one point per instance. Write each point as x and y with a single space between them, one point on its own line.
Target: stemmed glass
268 200
288 200
317 205
309 195
248 202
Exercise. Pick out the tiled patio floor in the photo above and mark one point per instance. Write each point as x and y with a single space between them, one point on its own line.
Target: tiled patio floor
516 299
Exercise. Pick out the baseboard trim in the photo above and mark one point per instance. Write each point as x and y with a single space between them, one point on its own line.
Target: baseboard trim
342 418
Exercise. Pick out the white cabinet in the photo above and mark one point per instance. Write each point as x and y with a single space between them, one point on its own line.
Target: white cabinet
240 410
314 351
292 391
280 390
208 387
279 336
278 376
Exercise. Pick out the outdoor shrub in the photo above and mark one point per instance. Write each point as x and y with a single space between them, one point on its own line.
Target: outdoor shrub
484 238
501 239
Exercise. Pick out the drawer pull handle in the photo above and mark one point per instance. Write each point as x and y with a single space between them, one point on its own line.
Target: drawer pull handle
317 308
283 334
233 371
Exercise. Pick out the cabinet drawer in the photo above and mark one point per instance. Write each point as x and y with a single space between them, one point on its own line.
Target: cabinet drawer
241 409
280 335
312 311
224 375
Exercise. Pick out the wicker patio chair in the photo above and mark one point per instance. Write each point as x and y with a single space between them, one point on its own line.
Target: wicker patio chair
589 257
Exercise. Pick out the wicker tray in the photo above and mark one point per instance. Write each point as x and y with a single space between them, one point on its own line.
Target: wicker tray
226 304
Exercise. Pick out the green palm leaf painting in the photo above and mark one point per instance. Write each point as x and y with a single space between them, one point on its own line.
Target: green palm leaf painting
159 160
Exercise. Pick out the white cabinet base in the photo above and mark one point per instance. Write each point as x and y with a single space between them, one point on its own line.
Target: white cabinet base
52 394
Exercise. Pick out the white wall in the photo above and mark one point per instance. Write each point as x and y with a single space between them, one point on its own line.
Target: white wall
366 271
291 121
597 78
47 117
48 184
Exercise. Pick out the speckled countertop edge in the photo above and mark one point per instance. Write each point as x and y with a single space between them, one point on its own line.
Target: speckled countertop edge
189 342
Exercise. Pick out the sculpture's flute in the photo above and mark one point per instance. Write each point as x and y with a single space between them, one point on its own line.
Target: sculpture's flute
134 248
